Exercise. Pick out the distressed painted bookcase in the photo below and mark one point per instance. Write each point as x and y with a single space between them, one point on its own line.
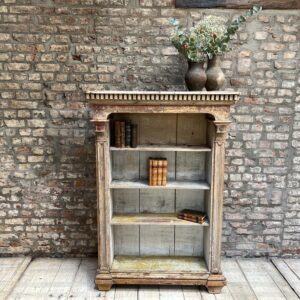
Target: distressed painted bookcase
140 239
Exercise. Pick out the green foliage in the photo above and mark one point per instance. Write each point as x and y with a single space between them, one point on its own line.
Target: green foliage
208 37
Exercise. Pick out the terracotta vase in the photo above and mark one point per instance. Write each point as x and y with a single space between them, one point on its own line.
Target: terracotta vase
215 76
195 76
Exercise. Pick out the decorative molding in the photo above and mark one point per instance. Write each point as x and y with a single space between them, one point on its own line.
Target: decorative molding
266 4
158 98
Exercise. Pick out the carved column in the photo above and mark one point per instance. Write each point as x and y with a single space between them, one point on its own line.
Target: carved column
216 280
103 278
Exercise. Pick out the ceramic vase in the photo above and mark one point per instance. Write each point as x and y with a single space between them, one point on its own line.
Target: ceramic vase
195 77
215 76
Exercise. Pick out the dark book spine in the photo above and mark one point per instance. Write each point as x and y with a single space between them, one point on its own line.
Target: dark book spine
127 134
122 134
133 136
117 134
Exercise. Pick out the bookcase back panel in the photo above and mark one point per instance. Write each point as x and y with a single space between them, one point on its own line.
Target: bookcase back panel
126 240
167 129
158 240
191 129
125 165
190 166
157 201
125 201
189 199
188 241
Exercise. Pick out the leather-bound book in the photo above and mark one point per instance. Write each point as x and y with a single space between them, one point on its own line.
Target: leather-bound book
196 215
117 134
154 172
159 172
122 134
150 171
127 134
133 135
164 172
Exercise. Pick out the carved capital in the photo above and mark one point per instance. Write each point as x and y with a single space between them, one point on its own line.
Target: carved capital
101 129
221 131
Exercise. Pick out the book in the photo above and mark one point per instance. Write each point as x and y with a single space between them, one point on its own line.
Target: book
193 215
117 134
159 171
133 135
127 134
122 126
150 171
154 172
164 172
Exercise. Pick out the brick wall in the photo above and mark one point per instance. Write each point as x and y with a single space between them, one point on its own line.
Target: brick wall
51 50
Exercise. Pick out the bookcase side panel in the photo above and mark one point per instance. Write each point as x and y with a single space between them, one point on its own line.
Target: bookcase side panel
207 235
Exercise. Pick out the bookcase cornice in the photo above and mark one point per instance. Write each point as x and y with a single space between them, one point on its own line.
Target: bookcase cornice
162 97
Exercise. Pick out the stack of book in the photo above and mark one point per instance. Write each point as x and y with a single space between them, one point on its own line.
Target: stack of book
158 171
125 134
195 216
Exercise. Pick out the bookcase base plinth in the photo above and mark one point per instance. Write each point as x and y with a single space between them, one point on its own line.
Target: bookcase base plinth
104 282
214 286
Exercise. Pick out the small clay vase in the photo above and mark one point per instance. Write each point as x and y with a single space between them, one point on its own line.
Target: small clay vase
195 77
215 76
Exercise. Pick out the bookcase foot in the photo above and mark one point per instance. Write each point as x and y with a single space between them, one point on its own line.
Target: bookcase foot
215 284
103 282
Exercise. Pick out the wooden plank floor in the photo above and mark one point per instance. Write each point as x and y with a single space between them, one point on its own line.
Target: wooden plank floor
52 278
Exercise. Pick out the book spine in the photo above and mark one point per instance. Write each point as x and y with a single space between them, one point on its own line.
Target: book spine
122 134
117 134
188 219
127 134
154 172
164 172
150 171
159 172
133 136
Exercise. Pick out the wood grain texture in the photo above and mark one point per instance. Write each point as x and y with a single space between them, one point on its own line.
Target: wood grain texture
164 148
11 269
266 4
289 275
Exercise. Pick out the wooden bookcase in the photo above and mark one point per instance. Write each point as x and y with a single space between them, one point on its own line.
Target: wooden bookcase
140 238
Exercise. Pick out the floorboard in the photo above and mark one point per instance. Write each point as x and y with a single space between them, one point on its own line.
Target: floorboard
11 269
52 278
260 281
289 275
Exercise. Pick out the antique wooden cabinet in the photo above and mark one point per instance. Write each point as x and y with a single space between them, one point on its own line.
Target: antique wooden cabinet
140 238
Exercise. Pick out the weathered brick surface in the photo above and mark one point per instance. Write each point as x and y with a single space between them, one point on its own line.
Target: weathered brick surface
50 51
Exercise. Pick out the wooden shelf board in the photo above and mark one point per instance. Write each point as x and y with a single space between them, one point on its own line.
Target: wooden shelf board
169 264
178 185
151 219
165 148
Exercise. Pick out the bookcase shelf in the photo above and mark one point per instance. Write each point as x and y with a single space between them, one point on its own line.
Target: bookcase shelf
164 148
140 238
152 219
174 264
171 185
